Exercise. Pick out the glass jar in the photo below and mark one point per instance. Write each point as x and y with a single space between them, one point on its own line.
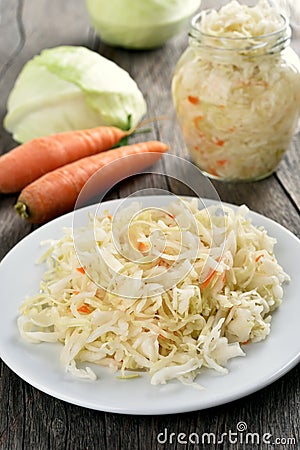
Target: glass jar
237 101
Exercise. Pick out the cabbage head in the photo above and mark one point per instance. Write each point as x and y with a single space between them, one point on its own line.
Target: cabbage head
140 24
68 88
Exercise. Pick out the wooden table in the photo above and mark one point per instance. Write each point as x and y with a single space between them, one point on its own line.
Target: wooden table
30 419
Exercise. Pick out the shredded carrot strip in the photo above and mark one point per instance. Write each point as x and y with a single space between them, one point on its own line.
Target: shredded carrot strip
75 292
219 142
163 263
109 216
84 309
194 100
143 247
211 275
208 279
212 171
81 269
197 121
258 257
222 162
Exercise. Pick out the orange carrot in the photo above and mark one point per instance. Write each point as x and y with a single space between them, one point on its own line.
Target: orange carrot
56 192
84 309
143 248
208 279
163 263
219 142
161 336
222 162
194 100
211 275
31 160
197 121
212 171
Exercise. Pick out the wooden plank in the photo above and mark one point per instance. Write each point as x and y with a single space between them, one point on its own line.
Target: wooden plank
19 46
12 229
22 44
266 197
288 172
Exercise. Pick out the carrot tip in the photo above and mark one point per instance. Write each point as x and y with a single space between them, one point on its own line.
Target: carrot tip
22 210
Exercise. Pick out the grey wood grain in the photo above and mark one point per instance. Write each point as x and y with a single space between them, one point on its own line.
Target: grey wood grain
288 173
30 419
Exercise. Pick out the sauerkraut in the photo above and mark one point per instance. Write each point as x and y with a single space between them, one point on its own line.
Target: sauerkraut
223 301
236 91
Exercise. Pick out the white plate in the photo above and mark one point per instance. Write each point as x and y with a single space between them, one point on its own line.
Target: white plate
40 366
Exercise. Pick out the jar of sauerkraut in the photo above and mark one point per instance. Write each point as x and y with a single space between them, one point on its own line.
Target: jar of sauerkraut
236 91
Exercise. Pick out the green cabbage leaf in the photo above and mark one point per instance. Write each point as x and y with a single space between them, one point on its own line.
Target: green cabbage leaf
140 24
68 88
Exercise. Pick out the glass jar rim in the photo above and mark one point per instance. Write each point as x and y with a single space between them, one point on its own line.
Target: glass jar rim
195 29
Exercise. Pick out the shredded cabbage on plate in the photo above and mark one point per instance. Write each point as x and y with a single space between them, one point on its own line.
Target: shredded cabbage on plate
227 282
